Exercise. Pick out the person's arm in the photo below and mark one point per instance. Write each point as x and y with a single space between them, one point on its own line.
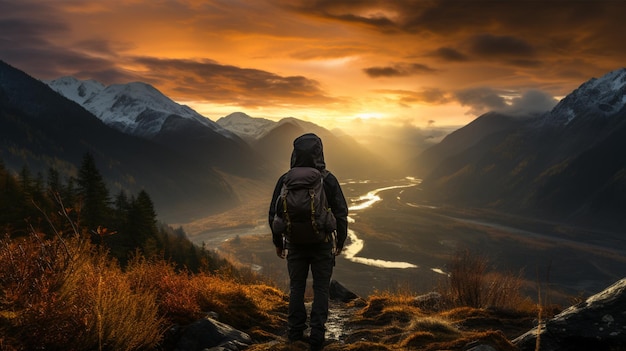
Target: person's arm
277 238
339 207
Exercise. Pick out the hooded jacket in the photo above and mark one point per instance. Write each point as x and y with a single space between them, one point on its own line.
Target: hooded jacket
308 151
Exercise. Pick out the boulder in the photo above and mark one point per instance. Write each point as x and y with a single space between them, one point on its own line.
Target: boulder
341 293
598 323
209 334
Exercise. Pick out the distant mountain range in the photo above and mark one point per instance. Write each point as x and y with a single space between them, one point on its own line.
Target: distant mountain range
143 140
567 164
238 144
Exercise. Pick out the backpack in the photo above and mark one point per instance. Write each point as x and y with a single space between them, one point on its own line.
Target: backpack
302 212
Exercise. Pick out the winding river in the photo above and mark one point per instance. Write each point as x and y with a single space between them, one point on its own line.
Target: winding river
356 245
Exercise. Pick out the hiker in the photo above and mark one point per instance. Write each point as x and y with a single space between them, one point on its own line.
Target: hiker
306 244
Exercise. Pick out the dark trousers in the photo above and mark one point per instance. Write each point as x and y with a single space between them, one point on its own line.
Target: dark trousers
320 261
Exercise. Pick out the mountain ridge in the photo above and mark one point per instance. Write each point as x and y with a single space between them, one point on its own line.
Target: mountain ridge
542 166
140 109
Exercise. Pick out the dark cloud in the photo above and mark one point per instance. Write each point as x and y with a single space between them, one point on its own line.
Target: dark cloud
531 102
450 54
211 81
552 30
398 70
488 45
449 16
344 11
430 96
481 100
24 31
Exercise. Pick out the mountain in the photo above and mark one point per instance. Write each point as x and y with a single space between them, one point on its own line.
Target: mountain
344 156
140 109
76 90
134 108
464 138
246 127
596 99
41 129
567 164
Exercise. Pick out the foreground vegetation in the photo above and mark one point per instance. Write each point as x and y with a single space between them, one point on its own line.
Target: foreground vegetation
67 293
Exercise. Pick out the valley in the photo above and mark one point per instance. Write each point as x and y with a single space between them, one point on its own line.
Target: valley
395 244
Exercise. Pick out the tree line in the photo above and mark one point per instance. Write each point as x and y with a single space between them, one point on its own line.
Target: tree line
124 224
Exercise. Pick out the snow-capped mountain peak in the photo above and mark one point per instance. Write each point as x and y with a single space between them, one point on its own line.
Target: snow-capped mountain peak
246 127
76 90
135 108
124 105
603 97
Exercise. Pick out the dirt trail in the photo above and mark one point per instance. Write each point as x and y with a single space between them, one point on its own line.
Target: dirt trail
339 315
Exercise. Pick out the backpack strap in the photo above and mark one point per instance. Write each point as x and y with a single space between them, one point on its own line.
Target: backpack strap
313 221
283 196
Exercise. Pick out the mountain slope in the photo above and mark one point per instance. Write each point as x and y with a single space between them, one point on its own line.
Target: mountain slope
568 164
41 129
464 138
140 109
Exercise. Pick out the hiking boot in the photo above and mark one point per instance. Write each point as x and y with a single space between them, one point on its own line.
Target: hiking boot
316 344
294 337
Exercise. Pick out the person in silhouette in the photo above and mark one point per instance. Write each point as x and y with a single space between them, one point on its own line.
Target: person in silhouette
318 257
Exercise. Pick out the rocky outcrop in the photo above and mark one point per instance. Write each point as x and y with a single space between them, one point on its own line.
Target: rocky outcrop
339 292
210 334
599 323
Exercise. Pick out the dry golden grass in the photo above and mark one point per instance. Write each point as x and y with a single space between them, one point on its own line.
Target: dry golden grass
472 282
67 294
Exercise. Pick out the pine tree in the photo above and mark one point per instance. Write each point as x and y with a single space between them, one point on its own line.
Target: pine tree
93 195
142 224
11 202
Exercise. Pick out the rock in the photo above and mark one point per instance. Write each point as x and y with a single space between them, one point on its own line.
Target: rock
430 301
599 323
341 293
209 334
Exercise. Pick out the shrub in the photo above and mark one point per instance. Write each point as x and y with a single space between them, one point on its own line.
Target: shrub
66 294
472 284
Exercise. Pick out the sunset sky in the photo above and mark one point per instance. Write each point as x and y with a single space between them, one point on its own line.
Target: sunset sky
338 63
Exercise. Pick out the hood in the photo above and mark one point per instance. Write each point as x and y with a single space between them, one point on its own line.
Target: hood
308 152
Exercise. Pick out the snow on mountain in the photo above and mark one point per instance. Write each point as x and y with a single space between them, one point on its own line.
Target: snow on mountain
603 96
135 108
246 127
254 128
76 90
